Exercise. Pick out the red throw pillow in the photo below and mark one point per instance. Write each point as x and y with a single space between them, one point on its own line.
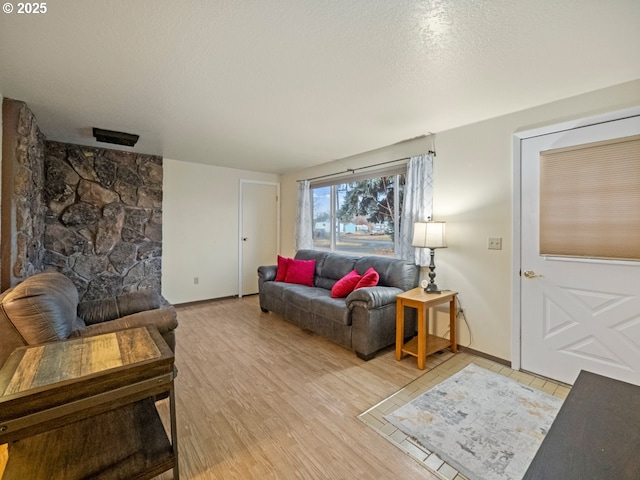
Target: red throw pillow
369 279
346 284
283 265
301 271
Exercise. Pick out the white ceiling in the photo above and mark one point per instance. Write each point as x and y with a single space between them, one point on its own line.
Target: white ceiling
279 85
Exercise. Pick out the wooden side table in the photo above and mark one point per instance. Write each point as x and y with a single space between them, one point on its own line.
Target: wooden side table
424 344
92 398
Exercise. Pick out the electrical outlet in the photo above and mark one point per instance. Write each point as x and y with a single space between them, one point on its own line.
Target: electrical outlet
196 280
495 243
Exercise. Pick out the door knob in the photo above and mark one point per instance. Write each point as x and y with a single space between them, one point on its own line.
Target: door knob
531 274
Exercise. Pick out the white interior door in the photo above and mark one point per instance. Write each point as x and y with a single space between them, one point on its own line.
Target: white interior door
259 227
575 313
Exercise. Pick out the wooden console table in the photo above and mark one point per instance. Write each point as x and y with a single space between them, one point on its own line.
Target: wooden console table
424 344
84 408
596 434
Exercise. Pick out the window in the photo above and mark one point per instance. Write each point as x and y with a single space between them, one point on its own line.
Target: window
359 216
589 199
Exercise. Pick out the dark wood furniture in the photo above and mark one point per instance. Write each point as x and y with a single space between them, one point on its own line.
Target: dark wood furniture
84 408
424 344
596 435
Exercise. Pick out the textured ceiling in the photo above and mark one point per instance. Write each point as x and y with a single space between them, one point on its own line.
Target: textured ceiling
278 85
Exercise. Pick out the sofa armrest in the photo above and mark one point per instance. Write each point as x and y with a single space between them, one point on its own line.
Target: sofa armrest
164 319
98 311
372 297
267 272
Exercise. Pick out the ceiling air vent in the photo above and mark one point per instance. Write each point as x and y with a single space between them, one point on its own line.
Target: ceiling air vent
119 138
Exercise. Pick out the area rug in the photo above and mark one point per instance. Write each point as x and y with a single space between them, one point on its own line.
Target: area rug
483 424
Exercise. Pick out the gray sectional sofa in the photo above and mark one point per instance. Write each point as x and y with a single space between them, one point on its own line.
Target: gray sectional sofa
364 321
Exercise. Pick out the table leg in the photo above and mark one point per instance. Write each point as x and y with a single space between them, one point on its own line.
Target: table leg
452 324
399 328
174 432
422 337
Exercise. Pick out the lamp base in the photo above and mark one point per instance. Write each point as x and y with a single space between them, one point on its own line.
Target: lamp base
432 288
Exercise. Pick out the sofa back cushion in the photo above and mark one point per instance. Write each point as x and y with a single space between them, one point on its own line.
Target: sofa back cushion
393 272
335 267
331 267
42 308
316 255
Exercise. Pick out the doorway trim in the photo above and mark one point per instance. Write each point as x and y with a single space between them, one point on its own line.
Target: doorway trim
240 218
518 138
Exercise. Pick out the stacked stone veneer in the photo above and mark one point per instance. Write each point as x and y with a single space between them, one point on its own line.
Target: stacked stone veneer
22 183
103 218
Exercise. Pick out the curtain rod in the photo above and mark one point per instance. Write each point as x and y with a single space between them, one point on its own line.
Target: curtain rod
354 170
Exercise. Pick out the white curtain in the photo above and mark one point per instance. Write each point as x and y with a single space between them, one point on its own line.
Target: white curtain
416 207
304 221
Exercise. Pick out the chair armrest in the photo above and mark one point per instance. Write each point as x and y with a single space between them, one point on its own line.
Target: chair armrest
372 297
267 272
98 311
164 319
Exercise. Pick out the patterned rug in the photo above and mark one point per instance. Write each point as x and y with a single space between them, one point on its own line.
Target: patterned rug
485 425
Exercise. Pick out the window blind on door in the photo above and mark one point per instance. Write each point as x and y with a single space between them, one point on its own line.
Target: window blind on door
590 200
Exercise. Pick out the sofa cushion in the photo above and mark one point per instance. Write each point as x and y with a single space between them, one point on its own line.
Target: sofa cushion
274 289
346 284
301 272
283 266
302 296
370 278
332 310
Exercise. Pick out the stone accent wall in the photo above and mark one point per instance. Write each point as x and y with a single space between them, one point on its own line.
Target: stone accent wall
23 147
103 218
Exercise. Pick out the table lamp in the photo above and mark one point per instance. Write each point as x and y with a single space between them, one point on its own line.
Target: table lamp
430 235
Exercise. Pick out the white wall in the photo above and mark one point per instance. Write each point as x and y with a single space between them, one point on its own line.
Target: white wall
200 230
473 185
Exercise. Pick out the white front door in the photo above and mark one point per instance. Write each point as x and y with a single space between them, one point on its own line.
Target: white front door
575 313
258 231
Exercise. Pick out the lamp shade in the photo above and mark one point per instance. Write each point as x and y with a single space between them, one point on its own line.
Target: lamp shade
429 235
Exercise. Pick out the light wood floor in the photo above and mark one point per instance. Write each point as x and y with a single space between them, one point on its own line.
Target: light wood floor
260 398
